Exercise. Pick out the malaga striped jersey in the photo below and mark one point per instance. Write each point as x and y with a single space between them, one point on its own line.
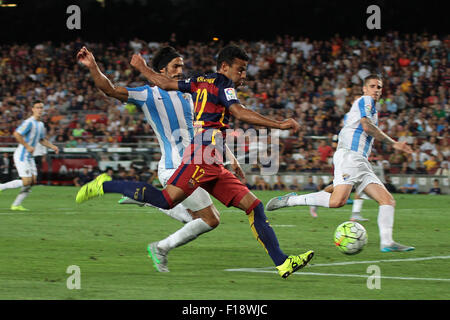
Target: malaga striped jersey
32 131
170 114
352 135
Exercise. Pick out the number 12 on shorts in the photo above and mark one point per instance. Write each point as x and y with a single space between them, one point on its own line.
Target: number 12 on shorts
198 173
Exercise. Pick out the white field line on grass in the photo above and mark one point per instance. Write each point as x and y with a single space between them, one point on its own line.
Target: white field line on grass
271 269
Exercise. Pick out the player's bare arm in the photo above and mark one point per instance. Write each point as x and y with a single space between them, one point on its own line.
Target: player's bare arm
101 81
50 145
234 163
22 141
160 80
378 134
246 115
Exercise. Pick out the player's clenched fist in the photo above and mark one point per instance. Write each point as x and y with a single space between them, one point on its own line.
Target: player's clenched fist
290 124
138 62
86 57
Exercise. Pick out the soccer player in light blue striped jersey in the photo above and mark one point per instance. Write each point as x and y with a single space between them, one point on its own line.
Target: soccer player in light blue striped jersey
352 168
28 135
170 114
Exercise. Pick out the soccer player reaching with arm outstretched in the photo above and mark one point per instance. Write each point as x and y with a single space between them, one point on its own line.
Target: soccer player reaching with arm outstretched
170 116
215 101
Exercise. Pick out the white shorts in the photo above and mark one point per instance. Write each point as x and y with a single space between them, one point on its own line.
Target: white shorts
198 200
352 168
26 168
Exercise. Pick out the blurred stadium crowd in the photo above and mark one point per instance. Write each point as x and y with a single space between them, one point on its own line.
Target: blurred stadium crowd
314 81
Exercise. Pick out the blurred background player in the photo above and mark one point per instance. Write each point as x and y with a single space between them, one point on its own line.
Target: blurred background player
202 164
351 167
28 134
170 115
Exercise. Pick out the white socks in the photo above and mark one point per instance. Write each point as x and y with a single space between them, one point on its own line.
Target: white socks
321 199
179 213
386 224
188 232
11 184
357 205
22 195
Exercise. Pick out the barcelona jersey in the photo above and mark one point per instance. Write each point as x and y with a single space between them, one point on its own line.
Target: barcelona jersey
212 94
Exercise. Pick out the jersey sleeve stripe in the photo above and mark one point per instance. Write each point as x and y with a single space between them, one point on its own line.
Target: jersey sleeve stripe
24 128
138 96
362 107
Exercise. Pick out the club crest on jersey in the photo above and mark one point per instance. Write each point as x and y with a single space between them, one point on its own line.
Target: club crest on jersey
345 176
230 94
191 183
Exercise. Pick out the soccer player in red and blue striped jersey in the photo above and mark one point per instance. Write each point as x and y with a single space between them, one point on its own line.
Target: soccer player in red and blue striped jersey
215 100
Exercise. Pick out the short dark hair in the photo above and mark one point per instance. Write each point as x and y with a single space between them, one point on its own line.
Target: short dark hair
163 57
229 53
372 76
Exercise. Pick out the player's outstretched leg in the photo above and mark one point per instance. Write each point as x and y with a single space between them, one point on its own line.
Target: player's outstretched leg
321 198
178 212
11 184
139 191
92 189
263 232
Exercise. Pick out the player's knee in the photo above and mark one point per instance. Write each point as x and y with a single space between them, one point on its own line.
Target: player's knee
209 215
388 201
213 221
337 202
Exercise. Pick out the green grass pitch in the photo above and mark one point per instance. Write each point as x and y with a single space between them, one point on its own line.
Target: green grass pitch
108 242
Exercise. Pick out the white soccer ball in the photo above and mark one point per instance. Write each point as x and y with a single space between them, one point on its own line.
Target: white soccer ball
350 237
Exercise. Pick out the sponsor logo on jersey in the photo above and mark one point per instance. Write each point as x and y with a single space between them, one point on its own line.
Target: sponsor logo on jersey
230 94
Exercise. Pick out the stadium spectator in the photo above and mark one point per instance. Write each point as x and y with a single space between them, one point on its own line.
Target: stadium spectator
389 186
261 184
83 177
279 184
294 186
310 185
147 175
435 189
410 187
443 170
325 151
316 80
431 165
321 185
